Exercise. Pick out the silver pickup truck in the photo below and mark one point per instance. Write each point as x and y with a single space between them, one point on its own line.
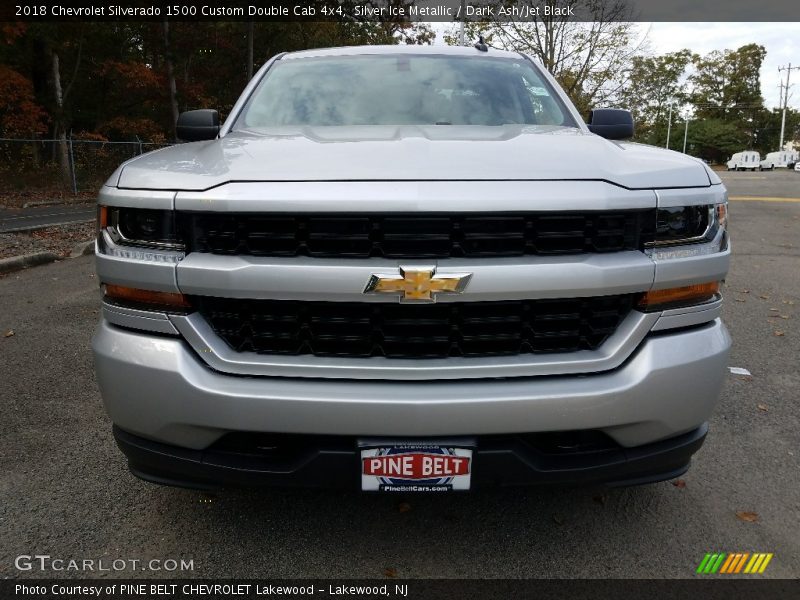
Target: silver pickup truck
410 269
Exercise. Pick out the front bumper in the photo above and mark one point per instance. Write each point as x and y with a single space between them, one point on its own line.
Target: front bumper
334 463
157 388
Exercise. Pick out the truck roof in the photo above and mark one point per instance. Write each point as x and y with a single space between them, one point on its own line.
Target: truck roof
398 49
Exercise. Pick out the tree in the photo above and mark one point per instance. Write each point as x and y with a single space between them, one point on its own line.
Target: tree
20 114
727 88
589 59
715 139
171 86
726 84
654 83
134 102
58 58
129 78
250 38
768 129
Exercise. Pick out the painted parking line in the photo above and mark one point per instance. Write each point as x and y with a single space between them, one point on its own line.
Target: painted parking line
88 211
761 199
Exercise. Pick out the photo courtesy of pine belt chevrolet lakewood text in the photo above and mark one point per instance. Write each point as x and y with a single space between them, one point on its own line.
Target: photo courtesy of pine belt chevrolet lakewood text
410 268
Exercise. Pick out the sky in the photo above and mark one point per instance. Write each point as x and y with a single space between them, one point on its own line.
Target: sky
781 40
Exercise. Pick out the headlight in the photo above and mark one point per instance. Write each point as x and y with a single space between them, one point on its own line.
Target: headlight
139 234
140 227
684 231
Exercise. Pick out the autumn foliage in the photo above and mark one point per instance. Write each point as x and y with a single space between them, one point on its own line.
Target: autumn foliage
76 85
114 77
20 115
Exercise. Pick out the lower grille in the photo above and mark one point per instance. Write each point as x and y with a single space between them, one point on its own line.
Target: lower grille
293 447
361 330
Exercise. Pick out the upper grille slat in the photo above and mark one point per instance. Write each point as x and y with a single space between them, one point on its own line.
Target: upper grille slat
475 329
418 235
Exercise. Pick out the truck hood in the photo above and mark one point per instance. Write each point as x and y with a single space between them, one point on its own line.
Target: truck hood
378 153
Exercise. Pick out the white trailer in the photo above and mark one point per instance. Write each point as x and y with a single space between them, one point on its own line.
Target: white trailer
741 161
780 160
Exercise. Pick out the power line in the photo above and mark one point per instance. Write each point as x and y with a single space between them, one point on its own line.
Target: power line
711 105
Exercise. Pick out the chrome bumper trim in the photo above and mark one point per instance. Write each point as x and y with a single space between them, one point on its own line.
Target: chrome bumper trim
334 280
138 319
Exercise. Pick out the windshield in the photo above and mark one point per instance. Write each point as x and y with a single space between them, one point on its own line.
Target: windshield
402 89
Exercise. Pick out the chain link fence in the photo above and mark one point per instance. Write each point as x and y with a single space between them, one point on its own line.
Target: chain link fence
38 167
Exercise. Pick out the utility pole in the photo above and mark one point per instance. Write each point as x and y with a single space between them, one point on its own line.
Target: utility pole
669 126
685 133
785 98
783 116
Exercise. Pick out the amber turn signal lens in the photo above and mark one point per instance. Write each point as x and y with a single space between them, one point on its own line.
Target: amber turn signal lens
680 296
102 217
126 294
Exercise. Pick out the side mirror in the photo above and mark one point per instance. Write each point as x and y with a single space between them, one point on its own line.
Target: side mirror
196 125
611 123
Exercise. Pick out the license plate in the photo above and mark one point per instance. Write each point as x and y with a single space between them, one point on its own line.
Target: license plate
415 466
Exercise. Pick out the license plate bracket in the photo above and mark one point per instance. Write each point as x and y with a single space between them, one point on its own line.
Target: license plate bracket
416 465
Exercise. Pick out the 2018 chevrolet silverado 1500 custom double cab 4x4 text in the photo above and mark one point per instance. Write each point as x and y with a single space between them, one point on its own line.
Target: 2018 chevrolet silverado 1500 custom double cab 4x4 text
410 268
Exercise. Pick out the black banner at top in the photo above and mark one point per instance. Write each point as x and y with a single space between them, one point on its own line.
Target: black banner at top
448 11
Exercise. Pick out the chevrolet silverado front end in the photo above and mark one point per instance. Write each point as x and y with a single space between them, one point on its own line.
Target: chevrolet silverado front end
412 269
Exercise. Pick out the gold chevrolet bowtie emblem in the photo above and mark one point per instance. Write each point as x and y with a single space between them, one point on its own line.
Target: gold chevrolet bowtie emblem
417 284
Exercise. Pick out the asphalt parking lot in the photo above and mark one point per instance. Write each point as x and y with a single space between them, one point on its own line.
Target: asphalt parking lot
66 491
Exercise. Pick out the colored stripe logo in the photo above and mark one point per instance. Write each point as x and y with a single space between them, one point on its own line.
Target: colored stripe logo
733 563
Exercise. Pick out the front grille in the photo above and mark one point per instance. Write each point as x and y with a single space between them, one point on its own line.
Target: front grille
427 235
471 329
